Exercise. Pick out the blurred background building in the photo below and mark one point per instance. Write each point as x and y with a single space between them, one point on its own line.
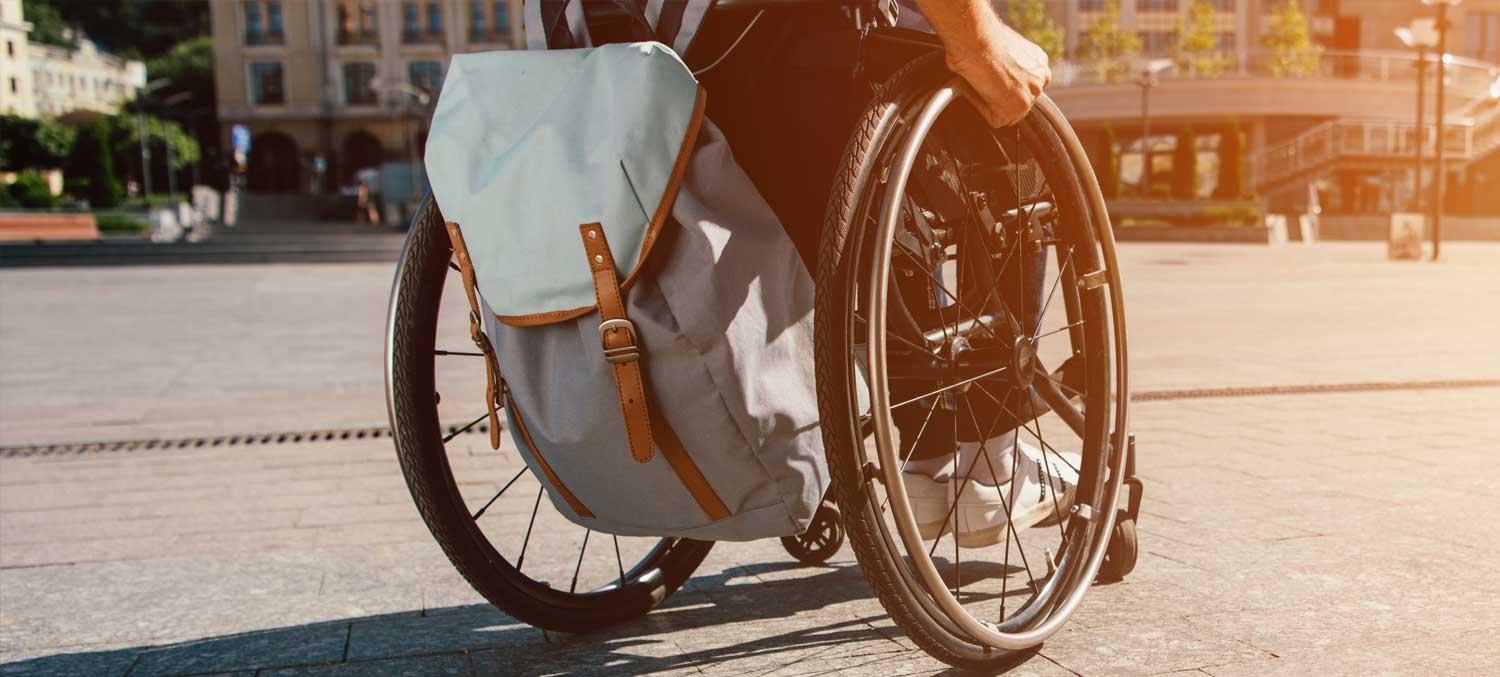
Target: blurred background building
330 87
1251 105
55 81
1277 103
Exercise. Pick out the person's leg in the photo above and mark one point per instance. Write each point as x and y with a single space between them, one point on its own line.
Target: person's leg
784 100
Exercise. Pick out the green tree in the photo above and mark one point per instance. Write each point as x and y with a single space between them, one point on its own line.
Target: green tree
1109 47
93 157
188 67
129 28
1185 166
1030 19
47 24
1293 52
1198 48
29 143
124 132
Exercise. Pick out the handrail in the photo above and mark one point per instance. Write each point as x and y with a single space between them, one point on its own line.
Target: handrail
1463 140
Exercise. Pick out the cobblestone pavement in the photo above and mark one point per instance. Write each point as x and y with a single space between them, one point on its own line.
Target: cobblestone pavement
1344 533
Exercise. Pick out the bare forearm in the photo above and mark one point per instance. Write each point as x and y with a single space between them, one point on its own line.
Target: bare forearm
1005 71
966 26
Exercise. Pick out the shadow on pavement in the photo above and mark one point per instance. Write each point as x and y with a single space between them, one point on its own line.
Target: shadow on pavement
771 615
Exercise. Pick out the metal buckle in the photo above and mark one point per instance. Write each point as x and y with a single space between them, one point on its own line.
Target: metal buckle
626 353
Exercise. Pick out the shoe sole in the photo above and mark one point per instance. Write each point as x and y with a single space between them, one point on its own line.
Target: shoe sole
1040 515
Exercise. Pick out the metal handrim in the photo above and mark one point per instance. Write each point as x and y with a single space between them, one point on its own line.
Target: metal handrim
890 463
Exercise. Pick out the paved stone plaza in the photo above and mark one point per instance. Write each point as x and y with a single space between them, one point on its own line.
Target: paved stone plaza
1346 533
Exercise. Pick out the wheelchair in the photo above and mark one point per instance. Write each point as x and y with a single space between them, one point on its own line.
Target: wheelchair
966 278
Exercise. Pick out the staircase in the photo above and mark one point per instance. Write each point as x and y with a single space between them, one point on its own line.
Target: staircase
1472 132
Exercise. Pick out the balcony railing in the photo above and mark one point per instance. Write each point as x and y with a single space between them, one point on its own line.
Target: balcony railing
1464 76
358 38
1463 140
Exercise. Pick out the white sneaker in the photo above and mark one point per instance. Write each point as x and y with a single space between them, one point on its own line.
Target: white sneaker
930 500
1038 495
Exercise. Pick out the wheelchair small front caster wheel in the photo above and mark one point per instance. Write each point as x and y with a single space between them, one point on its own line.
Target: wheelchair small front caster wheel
823 538
1120 555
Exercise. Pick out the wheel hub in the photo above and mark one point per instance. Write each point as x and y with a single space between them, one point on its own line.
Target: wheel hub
1023 361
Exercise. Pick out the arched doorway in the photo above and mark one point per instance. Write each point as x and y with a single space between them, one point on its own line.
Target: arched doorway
361 150
275 164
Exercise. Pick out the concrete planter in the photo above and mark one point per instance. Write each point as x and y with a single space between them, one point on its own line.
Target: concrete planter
1213 234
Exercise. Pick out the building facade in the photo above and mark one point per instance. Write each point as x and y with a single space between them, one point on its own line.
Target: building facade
16 95
82 79
329 87
1337 121
50 81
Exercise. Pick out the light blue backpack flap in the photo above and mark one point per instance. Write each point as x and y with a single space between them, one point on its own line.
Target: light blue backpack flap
527 145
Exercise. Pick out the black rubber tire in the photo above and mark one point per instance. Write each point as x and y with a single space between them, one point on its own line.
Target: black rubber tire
1124 549
902 595
416 295
822 539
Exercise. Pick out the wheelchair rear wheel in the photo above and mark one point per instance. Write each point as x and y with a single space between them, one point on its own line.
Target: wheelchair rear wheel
483 506
937 309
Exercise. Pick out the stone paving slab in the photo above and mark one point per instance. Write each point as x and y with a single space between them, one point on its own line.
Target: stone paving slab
1299 549
1339 533
217 350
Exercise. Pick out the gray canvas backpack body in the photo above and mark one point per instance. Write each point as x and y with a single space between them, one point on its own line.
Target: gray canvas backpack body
647 323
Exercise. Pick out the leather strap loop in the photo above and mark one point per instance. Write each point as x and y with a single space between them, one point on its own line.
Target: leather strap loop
494 385
620 342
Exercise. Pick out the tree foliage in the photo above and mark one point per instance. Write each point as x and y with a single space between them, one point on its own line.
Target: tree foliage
126 140
93 157
29 143
47 24
1110 48
1030 19
1293 52
1198 47
129 28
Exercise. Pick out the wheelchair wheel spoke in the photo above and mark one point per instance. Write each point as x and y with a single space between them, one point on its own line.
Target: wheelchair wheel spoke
498 494
529 525
618 561
953 297
890 334
1063 328
1047 469
906 458
993 372
573 587
463 353
465 429
1061 272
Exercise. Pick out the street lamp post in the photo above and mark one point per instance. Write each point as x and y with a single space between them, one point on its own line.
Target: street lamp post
167 141
1146 82
140 128
1440 184
1422 35
423 99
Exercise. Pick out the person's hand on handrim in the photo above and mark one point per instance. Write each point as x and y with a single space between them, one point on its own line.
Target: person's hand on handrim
1005 71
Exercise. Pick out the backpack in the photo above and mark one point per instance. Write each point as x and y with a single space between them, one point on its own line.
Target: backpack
647 324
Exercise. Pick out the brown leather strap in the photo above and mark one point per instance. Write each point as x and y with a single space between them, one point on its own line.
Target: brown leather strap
687 471
493 384
621 345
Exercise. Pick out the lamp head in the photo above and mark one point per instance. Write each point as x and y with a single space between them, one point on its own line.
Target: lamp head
1421 33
